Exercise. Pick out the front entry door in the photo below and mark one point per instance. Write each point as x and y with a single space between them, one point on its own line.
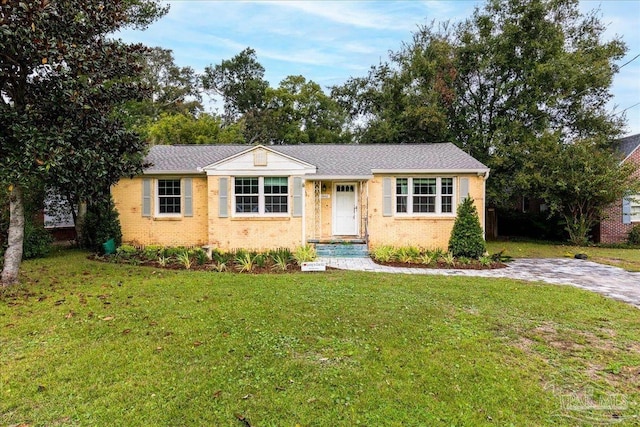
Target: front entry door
345 217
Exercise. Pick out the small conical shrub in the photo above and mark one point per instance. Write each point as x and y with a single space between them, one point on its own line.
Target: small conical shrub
467 239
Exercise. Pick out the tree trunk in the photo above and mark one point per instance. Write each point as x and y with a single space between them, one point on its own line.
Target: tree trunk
13 254
78 220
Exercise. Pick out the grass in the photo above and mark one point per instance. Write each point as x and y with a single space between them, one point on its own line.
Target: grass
629 259
89 343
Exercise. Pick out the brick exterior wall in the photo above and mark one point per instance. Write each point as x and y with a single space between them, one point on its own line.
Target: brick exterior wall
206 227
427 232
611 229
255 233
140 230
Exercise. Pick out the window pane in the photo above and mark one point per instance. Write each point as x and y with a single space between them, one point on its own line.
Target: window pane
424 204
275 185
169 196
446 189
246 191
246 185
247 204
402 189
275 194
275 204
401 204
447 205
424 186
447 185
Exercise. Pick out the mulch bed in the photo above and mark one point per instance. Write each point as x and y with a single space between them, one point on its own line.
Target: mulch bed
443 265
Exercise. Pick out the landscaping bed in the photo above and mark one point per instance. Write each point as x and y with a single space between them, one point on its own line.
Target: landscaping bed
415 257
281 260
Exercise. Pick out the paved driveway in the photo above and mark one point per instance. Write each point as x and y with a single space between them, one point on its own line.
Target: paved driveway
611 281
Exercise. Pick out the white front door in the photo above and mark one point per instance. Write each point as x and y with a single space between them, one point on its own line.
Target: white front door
345 210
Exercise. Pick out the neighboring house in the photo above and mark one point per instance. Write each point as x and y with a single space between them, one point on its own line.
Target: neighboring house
622 216
261 197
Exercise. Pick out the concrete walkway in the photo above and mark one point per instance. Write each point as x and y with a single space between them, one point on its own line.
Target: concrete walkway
610 281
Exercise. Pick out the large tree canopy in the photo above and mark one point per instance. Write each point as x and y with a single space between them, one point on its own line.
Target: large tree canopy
62 78
404 100
296 112
528 68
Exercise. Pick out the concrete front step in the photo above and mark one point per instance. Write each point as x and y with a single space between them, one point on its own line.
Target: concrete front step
342 250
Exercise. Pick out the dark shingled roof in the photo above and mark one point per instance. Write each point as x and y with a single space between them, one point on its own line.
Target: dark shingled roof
330 160
628 145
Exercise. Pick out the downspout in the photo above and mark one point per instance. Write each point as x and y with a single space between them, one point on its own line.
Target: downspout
304 216
484 205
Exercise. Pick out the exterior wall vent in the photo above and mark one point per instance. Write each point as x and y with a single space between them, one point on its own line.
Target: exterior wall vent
260 158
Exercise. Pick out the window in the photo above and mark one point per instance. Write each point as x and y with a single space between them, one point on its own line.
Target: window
635 208
246 194
169 197
261 195
424 195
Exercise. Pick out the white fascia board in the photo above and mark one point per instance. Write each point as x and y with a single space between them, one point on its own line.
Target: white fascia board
173 172
431 171
340 177
260 172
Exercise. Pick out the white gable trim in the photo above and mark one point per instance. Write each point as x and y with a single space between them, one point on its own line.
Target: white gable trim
243 164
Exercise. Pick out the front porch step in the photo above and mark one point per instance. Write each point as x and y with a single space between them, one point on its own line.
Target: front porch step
342 250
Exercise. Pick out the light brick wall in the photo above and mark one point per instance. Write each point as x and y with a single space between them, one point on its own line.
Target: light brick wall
255 233
612 230
181 231
427 232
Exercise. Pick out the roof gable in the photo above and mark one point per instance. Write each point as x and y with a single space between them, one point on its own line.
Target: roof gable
261 159
628 145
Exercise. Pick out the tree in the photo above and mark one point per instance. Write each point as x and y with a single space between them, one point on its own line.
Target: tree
526 68
579 181
187 129
173 90
404 100
61 81
296 112
240 81
467 239
299 112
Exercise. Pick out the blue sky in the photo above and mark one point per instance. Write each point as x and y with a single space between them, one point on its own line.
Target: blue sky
330 41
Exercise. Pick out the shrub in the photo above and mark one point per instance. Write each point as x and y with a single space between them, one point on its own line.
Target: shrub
100 224
383 253
633 238
304 254
126 251
37 241
152 252
466 237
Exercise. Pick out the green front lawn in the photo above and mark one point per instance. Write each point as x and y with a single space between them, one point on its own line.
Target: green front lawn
629 259
89 343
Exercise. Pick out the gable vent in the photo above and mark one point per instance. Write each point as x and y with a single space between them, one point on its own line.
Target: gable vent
260 158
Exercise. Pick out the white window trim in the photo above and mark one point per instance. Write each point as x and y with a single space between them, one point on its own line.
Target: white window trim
438 196
156 198
261 199
634 204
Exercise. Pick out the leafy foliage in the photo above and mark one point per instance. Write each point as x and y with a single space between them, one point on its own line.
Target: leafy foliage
467 239
633 238
62 80
404 100
186 129
37 241
579 181
304 253
101 224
